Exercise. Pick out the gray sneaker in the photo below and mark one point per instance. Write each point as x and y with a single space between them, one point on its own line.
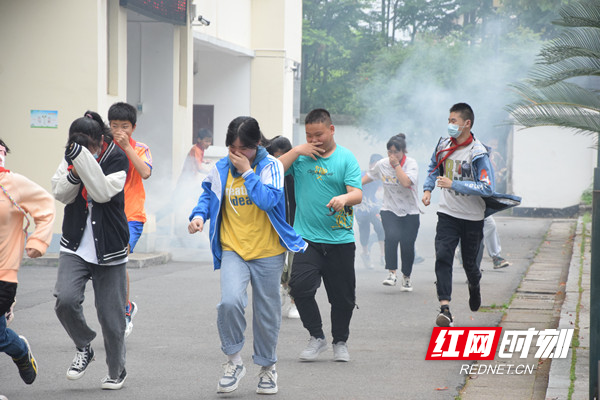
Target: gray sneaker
406 285
340 352
231 377
390 280
267 380
313 349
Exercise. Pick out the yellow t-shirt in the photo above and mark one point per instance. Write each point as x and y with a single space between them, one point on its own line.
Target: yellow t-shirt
245 228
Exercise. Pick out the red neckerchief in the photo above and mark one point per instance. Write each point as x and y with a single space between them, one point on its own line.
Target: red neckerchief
2 169
84 190
451 150
403 160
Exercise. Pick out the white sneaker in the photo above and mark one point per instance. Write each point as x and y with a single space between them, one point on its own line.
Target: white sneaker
267 380
230 380
129 314
293 312
406 285
390 280
313 349
340 352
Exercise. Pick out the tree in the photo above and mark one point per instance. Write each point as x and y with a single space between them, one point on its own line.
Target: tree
407 18
558 94
337 38
536 15
553 95
410 88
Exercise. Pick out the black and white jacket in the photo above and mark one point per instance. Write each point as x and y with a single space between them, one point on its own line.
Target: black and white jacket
104 182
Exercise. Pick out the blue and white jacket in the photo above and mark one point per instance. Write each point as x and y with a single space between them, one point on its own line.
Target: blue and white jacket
260 190
479 160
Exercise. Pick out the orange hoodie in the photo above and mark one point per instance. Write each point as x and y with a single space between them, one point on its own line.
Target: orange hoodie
39 204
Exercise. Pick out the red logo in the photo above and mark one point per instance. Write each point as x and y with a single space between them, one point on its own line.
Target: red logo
483 177
463 343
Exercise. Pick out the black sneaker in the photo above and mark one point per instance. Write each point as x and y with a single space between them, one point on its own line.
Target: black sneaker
114 384
27 365
474 297
444 318
80 363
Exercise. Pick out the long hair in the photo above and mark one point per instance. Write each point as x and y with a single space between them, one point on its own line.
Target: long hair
247 130
89 129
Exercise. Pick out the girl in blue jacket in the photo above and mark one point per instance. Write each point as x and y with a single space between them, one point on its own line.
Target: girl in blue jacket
244 200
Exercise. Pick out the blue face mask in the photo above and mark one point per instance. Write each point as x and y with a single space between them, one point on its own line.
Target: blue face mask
96 155
454 130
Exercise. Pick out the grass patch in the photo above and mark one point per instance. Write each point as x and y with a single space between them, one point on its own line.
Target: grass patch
575 343
587 218
586 196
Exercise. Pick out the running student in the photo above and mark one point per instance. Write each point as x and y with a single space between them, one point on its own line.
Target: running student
327 182
122 119
367 214
244 200
95 236
461 168
20 198
400 210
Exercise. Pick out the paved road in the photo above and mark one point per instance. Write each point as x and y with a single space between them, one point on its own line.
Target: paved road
173 352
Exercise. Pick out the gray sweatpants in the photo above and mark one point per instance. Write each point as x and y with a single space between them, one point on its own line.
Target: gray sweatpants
109 283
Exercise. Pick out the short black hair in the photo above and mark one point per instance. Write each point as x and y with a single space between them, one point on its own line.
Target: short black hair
204 133
318 116
122 112
279 143
465 111
5 146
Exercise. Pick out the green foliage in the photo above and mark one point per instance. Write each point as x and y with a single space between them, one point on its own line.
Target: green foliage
410 88
369 58
551 96
534 14
586 196
335 41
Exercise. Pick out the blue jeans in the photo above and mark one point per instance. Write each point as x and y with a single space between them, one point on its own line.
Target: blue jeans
264 274
10 342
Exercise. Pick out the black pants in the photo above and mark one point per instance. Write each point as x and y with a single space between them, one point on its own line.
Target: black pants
403 231
8 291
334 263
449 231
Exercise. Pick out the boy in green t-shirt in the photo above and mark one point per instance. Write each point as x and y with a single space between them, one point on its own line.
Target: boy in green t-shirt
327 179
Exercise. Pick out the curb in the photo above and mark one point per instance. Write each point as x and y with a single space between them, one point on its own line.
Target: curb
537 302
575 313
136 260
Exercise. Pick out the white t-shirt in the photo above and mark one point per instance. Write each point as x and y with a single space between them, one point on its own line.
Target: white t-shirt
397 198
459 205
